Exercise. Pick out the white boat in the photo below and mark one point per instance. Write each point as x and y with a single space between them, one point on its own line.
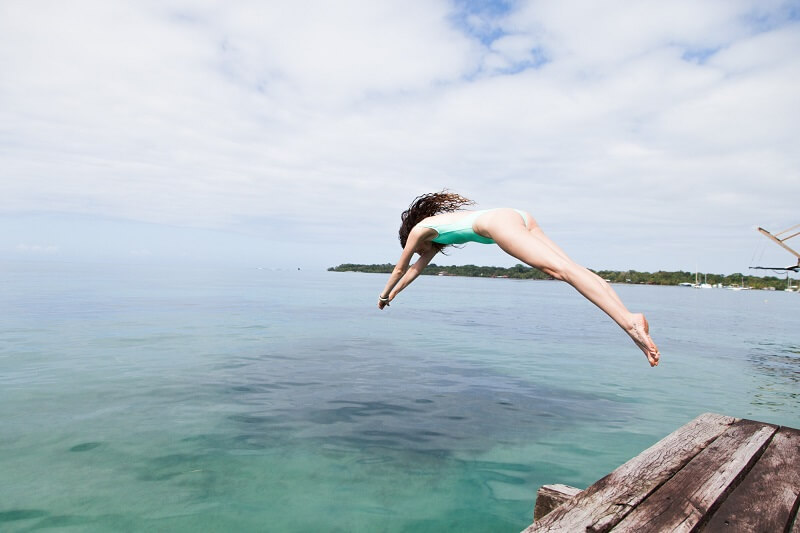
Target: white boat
704 285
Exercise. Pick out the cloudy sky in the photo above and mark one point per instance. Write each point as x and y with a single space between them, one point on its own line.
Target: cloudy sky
641 134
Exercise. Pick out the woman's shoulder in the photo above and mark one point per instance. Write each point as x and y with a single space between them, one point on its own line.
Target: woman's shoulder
444 218
423 229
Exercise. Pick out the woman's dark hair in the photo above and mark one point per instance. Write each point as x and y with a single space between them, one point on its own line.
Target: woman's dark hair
428 205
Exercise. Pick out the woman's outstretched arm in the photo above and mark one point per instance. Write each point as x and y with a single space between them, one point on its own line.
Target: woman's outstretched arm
407 277
402 275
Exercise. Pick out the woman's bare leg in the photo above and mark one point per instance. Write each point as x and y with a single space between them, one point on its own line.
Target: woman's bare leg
533 247
536 231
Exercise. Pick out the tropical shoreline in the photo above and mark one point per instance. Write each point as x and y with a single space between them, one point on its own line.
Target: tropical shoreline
736 281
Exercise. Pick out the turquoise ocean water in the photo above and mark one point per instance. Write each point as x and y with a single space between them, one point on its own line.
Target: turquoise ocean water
167 399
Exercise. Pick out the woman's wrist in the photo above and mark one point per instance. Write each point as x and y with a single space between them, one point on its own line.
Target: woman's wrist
382 298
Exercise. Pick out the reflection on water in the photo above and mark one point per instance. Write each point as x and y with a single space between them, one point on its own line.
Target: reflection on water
779 368
780 361
436 409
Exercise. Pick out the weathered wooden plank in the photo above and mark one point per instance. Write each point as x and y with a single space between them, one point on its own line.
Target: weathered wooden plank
765 499
606 502
682 502
548 497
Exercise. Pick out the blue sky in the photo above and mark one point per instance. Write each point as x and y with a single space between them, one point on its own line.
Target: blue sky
646 135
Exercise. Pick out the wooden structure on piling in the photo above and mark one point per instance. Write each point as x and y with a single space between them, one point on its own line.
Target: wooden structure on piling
716 473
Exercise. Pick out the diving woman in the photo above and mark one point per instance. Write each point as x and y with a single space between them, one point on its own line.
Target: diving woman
436 220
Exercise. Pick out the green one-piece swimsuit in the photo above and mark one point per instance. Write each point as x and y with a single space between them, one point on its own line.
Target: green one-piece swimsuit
461 231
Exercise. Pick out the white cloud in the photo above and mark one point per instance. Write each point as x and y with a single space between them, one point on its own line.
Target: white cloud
329 118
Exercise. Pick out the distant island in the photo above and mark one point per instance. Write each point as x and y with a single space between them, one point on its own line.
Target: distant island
518 271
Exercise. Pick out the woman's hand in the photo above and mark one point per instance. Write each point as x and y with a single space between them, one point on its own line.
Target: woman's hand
382 302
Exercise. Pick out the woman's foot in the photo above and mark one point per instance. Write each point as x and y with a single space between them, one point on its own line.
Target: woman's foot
640 333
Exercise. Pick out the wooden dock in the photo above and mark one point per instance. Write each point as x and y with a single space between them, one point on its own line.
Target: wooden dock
716 473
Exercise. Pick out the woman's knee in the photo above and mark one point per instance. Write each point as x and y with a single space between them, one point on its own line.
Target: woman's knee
553 273
556 269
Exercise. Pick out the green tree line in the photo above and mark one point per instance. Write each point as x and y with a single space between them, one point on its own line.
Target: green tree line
615 276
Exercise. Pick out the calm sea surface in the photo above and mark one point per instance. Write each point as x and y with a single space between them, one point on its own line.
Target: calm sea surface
148 399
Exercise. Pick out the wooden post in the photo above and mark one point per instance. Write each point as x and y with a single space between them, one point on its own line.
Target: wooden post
548 497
